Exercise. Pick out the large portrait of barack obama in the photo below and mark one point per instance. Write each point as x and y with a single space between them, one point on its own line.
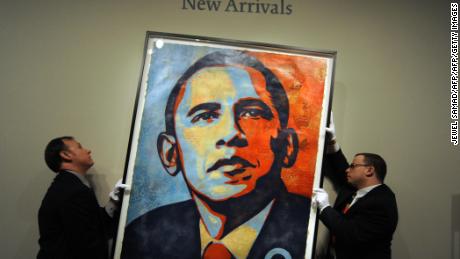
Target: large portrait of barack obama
227 149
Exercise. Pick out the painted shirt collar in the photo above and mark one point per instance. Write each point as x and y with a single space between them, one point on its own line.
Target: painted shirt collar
239 242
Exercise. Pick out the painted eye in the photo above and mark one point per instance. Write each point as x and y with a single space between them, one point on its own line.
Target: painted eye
251 114
253 109
208 116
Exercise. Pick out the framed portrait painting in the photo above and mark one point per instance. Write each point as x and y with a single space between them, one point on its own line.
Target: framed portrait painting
225 149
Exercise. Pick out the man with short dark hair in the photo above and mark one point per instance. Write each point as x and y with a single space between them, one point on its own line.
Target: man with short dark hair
71 222
365 215
226 133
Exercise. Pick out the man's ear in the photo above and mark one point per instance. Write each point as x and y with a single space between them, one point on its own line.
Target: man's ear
167 150
370 171
65 155
291 145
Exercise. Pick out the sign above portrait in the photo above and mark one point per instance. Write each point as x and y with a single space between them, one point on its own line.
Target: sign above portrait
225 149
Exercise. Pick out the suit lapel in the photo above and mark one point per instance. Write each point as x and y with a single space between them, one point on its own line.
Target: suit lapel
343 198
365 199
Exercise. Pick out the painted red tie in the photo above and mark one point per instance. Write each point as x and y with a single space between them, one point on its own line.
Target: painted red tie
217 251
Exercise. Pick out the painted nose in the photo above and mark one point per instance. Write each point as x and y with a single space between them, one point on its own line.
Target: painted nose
233 136
238 140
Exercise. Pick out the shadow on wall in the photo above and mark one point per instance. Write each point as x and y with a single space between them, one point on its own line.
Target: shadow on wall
455 235
399 245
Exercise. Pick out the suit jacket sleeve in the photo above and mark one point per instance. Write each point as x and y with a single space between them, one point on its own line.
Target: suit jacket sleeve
83 218
374 218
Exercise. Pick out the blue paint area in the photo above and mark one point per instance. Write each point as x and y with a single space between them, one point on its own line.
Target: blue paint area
152 186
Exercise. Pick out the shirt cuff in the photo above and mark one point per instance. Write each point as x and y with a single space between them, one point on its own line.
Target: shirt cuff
321 209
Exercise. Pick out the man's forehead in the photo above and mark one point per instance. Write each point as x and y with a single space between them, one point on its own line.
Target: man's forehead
359 158
71 142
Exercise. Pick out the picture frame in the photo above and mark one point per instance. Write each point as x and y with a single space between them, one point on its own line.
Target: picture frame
226 145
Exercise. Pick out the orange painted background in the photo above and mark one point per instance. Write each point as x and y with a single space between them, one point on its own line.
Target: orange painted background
303 79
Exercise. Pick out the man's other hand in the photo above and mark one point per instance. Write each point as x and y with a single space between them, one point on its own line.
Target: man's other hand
331 138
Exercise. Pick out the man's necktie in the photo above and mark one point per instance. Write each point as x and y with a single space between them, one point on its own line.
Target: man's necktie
348 205
332 237
217 251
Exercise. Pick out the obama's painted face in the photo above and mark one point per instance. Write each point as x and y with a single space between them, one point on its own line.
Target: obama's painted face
225 126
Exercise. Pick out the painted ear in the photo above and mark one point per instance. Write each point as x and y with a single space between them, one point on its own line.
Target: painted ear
167 150
291 145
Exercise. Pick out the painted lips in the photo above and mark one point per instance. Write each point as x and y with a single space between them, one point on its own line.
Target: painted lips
233 166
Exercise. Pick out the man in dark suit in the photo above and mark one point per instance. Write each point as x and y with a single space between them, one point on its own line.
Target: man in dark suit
71 223
226 132
365 215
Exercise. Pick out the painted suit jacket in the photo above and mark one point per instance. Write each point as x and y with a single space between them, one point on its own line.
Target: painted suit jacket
172 231
366 230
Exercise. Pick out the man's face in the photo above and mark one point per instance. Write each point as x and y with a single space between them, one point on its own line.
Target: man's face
79 155
224 124
356 176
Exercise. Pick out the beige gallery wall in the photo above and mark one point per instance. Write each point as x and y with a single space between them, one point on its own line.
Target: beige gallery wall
72 68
